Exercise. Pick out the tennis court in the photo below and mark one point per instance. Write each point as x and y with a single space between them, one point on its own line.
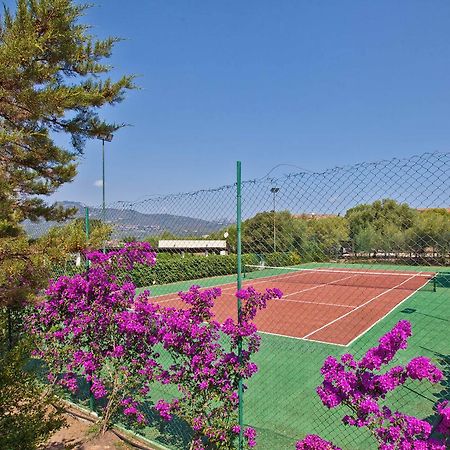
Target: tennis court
327 305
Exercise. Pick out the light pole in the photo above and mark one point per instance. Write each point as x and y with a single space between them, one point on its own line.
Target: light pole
108 138
274 191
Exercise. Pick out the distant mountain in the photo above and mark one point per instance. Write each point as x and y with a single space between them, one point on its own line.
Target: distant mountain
128 222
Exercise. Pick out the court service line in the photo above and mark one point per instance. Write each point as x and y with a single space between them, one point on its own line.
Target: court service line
232 284
316 303
299 338
259 281
360 306
381 318
282 298
317 286
360 271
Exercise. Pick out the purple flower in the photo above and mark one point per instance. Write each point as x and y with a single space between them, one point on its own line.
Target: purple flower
250 436
421 368
314 442
443 410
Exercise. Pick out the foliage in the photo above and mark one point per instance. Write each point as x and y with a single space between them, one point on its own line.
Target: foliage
431 229
27 414
207 374
324 237
26 265
77 329
379 214
23 270
50 68
70 238
258 232
92 326
174 268
383 226
53 80
314 442
360 387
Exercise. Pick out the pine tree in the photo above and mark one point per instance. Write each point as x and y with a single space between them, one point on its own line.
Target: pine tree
53 79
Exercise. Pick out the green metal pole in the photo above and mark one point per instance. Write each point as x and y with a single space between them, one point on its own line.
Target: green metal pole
239 304
274 228
87 229
103 189
86 223
10 328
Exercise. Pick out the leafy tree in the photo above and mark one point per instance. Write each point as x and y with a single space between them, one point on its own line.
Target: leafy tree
367 240
379 215
53 79
231 239
28 415
71 238
380 226
23 270
258 233
325 236
430 230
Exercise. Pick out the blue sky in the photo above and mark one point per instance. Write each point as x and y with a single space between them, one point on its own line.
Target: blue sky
311 83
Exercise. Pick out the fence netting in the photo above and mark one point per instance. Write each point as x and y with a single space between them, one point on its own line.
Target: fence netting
353 249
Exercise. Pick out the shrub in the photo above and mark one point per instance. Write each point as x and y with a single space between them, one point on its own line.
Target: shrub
92 325
27 412
361 388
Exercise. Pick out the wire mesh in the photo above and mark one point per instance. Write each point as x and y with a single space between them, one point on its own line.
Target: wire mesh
354 249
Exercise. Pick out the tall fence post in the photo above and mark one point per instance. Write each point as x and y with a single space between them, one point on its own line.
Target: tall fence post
10 327
87 228
239 304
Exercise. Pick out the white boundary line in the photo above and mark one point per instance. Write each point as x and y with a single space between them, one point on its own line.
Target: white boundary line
381 318
299 271
258 281
300 338
343 270
316 286
360 306
306 338
264 281
317 303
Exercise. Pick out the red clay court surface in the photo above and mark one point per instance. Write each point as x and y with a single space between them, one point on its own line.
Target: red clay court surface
322 305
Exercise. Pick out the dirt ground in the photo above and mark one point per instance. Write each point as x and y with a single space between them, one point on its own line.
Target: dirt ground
78 435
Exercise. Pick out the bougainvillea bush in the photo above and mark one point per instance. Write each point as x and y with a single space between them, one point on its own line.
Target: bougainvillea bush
77 330
93 326
362 387
206 371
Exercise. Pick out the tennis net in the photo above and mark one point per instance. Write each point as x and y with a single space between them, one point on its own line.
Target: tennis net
358 278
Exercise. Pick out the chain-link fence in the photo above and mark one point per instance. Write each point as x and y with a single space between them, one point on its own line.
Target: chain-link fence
354 250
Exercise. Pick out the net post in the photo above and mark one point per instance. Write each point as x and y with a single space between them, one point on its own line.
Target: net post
239 303
87 229
434 283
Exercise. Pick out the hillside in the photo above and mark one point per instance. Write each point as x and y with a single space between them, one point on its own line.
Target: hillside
128 222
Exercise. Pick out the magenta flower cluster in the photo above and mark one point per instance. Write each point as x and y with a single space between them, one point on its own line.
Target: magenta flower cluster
314 442
362 388
93 326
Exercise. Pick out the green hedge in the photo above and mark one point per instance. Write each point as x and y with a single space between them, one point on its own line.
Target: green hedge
189 268
170 270
174 268
280 259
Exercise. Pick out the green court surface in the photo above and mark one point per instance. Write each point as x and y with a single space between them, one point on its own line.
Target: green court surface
281 402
